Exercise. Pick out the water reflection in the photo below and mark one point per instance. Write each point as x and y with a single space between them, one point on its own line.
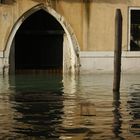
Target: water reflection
117 116
53 107
38 117
134 106
6 110
38 101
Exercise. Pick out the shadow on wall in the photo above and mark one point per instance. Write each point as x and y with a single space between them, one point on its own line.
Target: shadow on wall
75 1
41 1
111 1
100 1
7 1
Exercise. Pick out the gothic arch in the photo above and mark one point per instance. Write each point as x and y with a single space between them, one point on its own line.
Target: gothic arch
71 60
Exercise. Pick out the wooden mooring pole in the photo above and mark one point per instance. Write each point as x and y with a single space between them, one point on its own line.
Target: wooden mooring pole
117 51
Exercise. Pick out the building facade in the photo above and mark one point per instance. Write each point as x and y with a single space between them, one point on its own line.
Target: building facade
68 36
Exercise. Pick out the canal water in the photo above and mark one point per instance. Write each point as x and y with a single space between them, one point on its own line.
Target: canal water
52 107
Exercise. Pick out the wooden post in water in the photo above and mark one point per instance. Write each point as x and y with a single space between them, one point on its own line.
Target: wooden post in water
117 50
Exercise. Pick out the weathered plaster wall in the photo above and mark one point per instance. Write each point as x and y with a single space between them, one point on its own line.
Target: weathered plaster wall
72 12
6 20
91 20
102 25
9 14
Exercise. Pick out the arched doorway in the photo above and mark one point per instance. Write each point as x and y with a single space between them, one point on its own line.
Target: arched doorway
67 57
39 44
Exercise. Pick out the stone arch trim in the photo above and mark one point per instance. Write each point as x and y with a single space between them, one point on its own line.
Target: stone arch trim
73 43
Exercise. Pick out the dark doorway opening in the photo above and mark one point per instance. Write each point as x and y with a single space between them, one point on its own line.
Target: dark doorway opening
39 44
135 30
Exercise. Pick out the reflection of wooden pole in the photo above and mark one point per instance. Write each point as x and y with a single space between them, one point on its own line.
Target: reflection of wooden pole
117 123
118 50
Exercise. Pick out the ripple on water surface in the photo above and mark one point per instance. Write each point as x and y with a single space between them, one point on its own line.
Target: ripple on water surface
53 107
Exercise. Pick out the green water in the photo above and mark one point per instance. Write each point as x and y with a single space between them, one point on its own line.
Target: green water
56 107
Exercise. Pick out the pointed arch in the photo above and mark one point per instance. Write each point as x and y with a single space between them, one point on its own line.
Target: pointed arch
71 61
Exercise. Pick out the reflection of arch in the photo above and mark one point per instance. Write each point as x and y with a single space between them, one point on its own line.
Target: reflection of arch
70 45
